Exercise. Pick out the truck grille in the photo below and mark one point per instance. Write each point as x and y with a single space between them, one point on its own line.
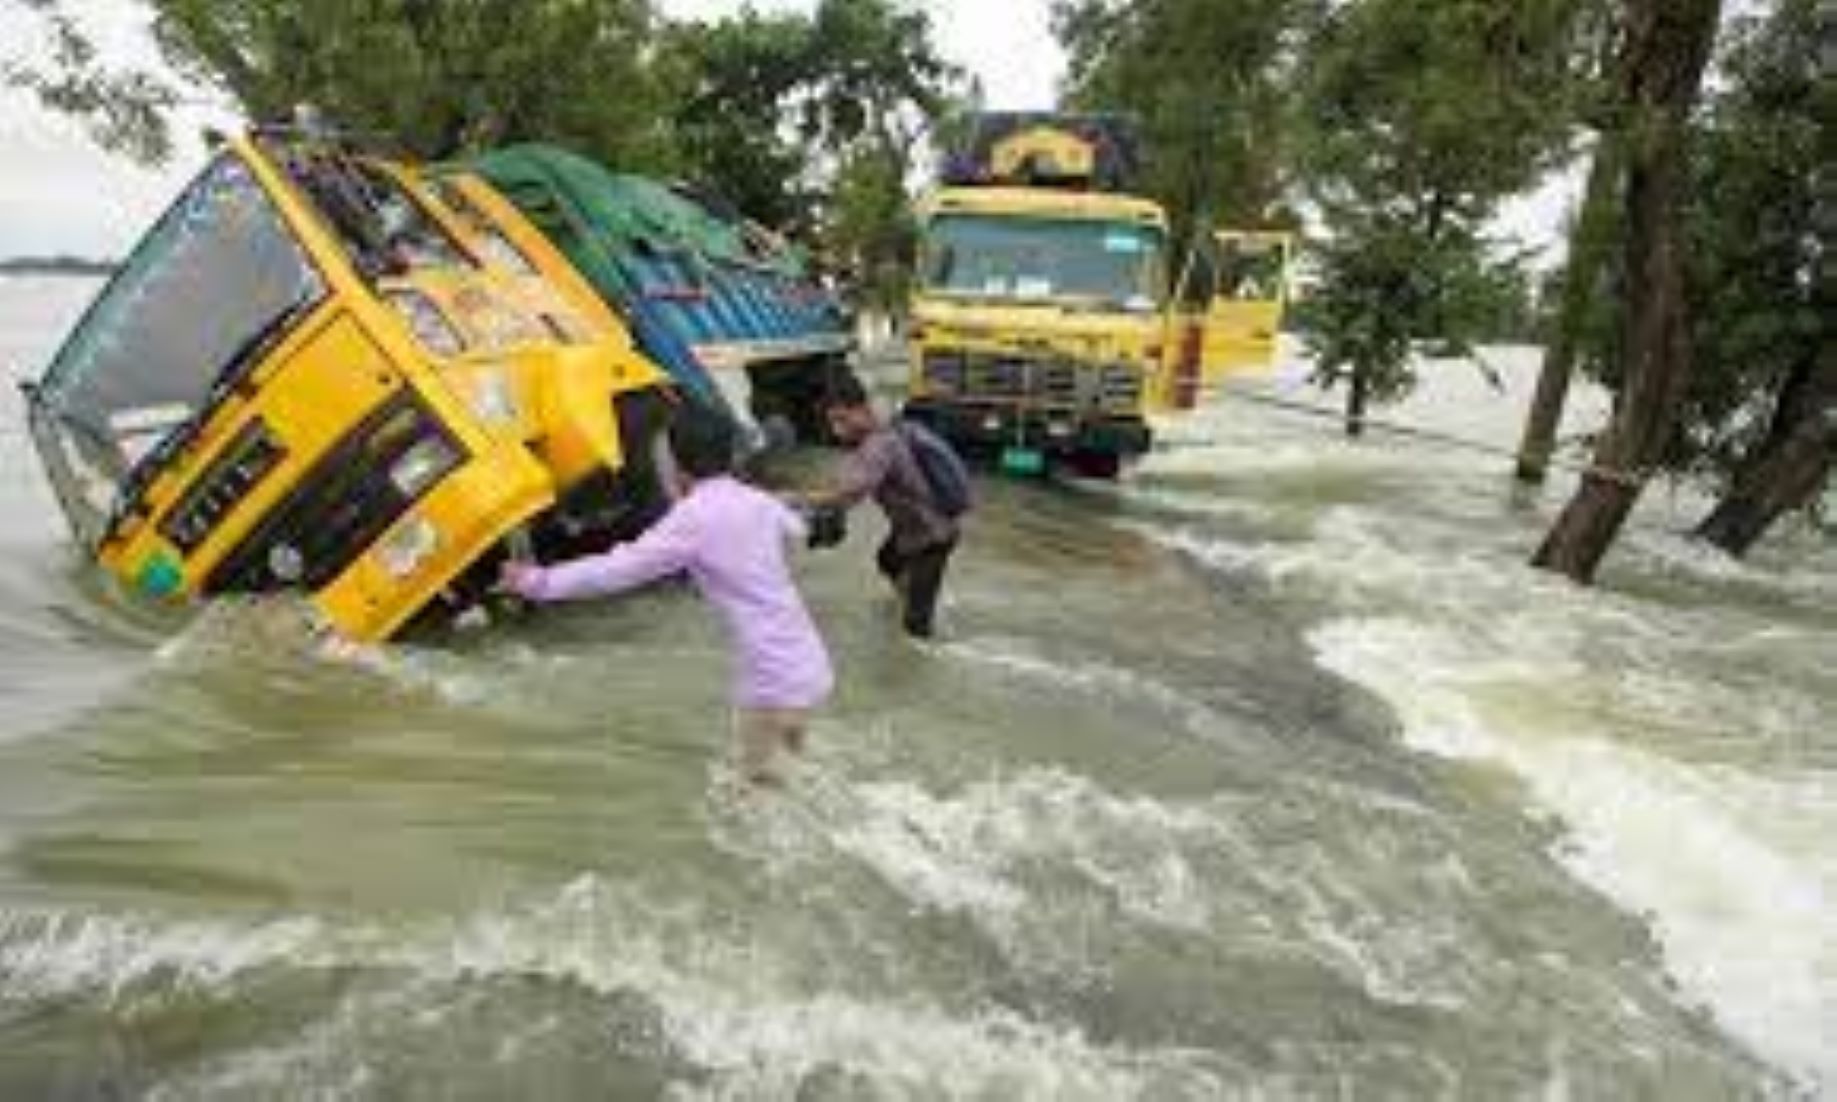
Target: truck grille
1035 381
337 508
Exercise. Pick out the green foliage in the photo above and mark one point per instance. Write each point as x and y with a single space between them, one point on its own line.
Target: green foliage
1207 81
1754 244
441 78
1386 289
1420 116
871 225
124 110
1761 171
731 82
817 123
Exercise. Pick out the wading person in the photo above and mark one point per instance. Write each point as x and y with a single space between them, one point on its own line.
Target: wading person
917 481
732 541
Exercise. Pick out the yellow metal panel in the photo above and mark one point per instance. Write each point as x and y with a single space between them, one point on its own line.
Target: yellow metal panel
470 512
1044 203
1049 149
311 389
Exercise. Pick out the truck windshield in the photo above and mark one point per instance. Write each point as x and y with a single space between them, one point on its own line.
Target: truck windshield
215 280
987 256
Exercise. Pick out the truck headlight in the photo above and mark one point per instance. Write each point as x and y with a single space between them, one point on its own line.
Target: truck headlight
405 550
422 464
431 328
494 399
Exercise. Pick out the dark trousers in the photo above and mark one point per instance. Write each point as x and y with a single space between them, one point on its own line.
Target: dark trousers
919 577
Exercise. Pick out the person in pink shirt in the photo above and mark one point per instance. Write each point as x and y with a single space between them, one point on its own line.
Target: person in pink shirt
732 541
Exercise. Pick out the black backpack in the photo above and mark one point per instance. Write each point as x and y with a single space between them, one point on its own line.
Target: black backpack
944 471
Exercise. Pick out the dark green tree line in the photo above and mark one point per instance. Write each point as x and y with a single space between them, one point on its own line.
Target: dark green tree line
1753 420
1208 82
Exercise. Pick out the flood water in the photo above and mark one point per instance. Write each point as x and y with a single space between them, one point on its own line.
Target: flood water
1270 773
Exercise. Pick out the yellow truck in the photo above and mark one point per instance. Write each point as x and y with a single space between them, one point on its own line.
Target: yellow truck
1046 328
321 371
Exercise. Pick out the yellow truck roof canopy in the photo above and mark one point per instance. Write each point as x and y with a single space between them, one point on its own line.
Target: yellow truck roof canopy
1043 203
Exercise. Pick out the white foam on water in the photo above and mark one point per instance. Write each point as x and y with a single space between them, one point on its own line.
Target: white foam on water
52 955
972 849
1038 855
1664 771
1748 926
735 1010
1016 658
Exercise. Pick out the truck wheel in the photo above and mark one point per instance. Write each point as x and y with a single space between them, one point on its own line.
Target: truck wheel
1099 466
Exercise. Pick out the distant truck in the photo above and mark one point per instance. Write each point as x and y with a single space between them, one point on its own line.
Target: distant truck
1047 320
322 371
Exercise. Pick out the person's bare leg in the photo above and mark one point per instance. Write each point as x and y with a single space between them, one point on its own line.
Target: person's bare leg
757 733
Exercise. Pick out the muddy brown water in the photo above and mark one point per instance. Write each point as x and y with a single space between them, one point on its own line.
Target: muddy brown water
1268 773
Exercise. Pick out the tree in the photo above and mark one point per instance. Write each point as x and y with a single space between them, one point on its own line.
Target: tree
733 83
1667 47
1592 237
124 110
1207 80
1584 278
1420 117
438 78
880 92
1753 419
817 124
1760 417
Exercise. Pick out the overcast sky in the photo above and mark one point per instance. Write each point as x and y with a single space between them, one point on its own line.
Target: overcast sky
58 193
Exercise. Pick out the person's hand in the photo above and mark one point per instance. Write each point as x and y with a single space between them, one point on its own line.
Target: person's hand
520 579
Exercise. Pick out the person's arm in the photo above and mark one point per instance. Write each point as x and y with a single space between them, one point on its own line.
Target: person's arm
664 550
862 473
792 524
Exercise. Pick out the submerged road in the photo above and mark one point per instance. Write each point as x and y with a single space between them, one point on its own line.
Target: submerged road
1269 772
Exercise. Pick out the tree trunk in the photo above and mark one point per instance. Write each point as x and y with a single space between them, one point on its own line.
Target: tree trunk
1357 398
1588 249
1788 469
1668 45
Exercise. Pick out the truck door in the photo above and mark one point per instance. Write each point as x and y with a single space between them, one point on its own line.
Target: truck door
1249 294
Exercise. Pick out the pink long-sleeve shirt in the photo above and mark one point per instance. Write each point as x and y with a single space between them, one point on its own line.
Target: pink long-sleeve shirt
732 541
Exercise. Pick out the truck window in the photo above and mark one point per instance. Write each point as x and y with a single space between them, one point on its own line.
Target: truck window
1004 257
215 280
380 224
1250 270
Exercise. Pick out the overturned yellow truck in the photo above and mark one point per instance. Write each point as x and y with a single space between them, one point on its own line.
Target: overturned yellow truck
321 371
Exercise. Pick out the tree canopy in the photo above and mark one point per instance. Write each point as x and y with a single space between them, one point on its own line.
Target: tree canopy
1419 117
1206 80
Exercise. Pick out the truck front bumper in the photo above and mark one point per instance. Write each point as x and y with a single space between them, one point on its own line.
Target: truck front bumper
1051 432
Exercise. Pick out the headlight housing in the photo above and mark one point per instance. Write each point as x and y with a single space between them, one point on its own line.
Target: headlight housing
414 541
422 464
493 398
431 328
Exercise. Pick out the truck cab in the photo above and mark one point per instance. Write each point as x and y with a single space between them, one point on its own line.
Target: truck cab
318 372
1039 318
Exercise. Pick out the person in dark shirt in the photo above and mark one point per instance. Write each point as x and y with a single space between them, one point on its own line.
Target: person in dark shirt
882 465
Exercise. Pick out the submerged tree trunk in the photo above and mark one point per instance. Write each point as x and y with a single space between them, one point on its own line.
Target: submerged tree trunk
1588 252
1357 399
1788 469
1667 47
